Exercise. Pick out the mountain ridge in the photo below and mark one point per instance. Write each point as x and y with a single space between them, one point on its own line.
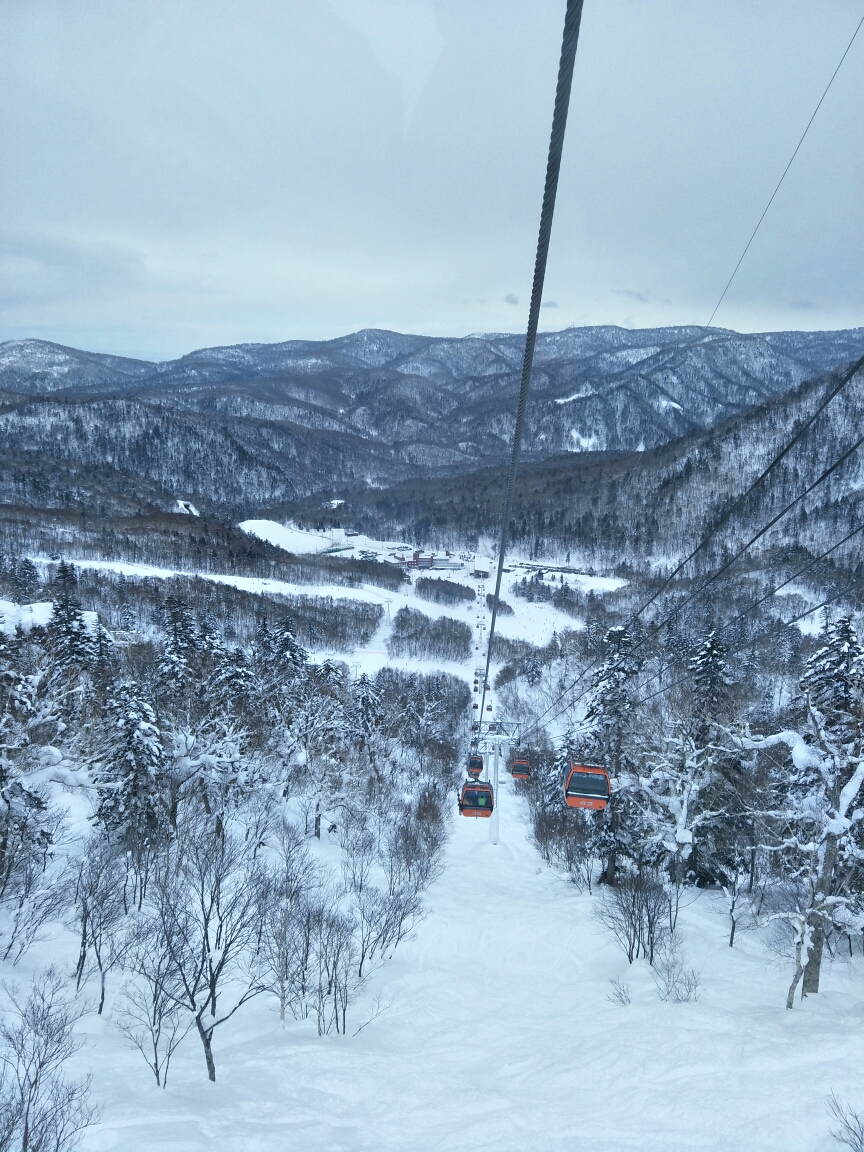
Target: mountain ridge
448 401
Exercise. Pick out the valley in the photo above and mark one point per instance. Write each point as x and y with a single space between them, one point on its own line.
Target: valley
249 643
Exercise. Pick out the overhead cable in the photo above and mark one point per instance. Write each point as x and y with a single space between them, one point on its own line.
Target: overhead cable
783 177
726 516
572 20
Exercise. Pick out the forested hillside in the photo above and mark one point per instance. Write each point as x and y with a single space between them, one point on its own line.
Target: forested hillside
654 506
255 426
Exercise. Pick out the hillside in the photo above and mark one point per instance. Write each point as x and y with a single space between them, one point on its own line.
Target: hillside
647 506
385 407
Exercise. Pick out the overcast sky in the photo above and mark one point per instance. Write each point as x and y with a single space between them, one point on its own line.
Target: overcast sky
182 173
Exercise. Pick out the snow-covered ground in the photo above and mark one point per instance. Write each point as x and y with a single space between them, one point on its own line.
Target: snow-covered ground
498 1034
28 615
533 622
303 541
11 615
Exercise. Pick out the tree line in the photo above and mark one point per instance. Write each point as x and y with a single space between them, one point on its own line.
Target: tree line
210 772
739 769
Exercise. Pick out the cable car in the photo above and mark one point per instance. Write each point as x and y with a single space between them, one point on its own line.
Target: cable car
476 800
488 707
520 770
475 765
587 786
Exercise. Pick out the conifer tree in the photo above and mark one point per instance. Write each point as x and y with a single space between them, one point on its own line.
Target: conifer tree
70 645
232 687
129 780
26 580
179 651
710 689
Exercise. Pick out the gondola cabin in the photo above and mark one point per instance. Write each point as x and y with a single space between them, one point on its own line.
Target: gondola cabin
475 766
476 800
520 770
587 786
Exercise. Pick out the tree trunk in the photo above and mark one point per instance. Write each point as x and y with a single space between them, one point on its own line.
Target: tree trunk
102 995
790 998
732 933
816 919
206 1037
82 955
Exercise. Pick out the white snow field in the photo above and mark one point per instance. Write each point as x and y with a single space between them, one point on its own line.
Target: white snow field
499 1035
534 622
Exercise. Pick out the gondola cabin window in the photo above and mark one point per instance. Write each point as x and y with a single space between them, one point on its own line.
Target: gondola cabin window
521 770
476 800
587 786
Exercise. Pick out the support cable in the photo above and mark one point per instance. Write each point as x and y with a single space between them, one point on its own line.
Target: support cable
783 177
724 568
757 603
730 512
572 20
857 583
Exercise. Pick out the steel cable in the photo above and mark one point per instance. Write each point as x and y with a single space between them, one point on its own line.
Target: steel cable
572 20
724 518
783 177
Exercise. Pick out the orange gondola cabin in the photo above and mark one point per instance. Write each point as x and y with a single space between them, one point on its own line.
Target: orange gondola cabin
520 770
475 765
476 800
587 786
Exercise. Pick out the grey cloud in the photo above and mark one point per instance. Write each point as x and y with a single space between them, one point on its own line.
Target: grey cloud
511 299
351 163
630 294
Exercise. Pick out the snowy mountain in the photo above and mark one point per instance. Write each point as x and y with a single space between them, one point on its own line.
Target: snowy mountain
37 366
634 440
441 402
654 505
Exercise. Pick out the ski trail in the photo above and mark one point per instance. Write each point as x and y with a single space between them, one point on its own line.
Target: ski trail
499 1035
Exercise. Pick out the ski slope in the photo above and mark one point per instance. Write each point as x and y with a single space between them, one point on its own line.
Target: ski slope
499 1035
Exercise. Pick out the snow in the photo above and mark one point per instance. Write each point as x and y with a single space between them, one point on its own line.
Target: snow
24 614
575 396
300 541
303 541
28 615
497 1033
186 507
584 443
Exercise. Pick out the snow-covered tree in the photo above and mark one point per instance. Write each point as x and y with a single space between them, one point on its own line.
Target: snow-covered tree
232 688
130 771
709 687
601 738
71 645
179 651
818 808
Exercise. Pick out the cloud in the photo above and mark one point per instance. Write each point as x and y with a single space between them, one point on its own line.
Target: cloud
405 39
37 268
549 304
511 299
630 294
